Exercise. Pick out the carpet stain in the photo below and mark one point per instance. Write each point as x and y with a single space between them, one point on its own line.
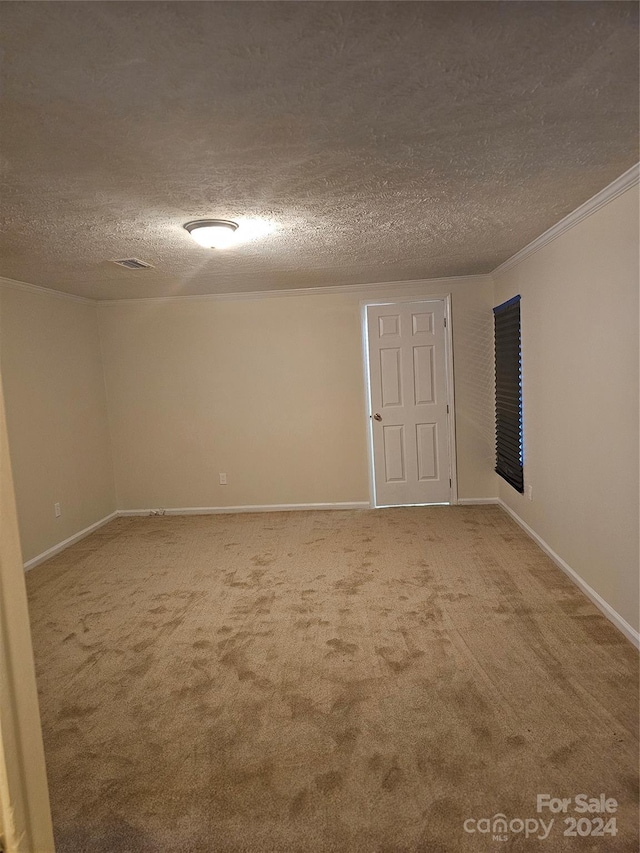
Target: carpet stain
328 782
342 647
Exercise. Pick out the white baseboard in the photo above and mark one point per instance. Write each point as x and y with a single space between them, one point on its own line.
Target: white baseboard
55 549
216 510
189 510
612 615
477 501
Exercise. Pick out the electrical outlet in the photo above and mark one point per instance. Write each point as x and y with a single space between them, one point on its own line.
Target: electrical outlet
57 510
223 479
530 492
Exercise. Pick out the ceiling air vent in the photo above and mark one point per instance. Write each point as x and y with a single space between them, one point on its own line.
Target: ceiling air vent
133 264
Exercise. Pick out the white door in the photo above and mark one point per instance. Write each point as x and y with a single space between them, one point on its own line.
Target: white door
409 406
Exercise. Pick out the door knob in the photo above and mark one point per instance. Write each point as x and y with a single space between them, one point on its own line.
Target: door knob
377 417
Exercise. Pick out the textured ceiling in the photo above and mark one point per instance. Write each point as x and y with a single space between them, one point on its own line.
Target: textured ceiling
384 141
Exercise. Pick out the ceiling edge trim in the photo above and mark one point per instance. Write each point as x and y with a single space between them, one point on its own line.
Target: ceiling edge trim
621 184
303 291
48 291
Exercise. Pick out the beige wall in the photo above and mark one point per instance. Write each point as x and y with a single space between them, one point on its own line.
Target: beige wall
56 415
270 391
580 390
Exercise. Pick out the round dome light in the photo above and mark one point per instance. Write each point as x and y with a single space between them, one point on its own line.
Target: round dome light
212 233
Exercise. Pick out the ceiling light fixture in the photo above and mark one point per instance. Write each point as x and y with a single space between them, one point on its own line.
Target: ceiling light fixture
212 233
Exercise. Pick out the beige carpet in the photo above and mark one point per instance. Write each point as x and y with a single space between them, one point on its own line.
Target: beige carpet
326 681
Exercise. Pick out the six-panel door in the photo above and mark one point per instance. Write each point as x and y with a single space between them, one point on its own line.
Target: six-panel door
408 392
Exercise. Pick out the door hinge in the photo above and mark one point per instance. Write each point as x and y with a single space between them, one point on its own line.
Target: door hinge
447 408
449 482
445 322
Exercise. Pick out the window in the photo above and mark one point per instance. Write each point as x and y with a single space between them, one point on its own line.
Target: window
509 455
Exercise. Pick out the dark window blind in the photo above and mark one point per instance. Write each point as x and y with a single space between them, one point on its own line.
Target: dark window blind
509 393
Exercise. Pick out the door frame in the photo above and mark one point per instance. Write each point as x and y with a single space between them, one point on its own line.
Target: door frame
25 814
448 354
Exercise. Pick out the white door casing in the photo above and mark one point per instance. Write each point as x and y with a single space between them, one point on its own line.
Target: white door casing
410 410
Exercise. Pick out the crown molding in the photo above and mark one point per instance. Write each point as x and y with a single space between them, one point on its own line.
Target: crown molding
621 184
372 287
48 291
